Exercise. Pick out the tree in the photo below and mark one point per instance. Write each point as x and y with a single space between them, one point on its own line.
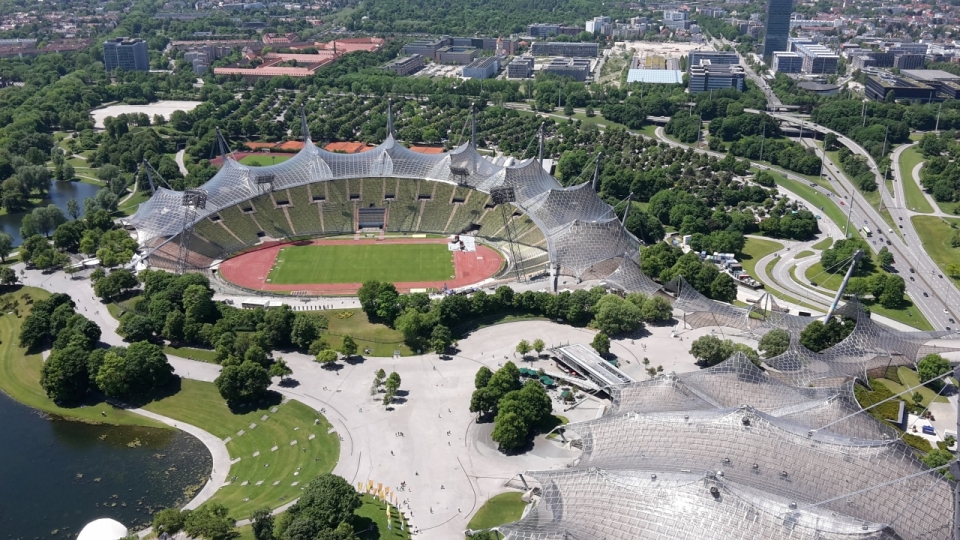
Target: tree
242 383
261 521
510 431
710 350
64 375
523 347
539 345
138 371
327 500
937 458
280 369
169 520
111 378
349 347
884 257
73 208
931 367
601 343
656 309
304 330
211 522
6 244
818 336
483 400
774 343
893 290
8 276
392 383
482 378
327 357
379 377
614 315
440 338
134 327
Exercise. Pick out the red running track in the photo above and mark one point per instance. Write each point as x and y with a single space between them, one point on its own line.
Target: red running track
250 269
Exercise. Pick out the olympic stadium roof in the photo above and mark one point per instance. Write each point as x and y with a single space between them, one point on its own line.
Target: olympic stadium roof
580 229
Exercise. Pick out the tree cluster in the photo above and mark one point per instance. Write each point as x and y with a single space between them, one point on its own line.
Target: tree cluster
887 289
818 336
931 367
518 408
668 262
710 350
210 522
324 511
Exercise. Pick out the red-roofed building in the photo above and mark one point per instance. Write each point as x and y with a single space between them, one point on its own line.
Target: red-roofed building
305 64
348 147
427 149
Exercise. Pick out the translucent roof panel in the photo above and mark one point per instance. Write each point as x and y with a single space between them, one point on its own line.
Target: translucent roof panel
655 76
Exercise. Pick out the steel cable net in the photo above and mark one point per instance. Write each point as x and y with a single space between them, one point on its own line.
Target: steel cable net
162 216
700 311
630 278
868 347
769 315
808 485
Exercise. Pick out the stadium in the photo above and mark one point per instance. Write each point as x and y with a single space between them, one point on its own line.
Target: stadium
733 451
515 208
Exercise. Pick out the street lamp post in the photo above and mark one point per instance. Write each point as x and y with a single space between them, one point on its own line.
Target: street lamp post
863 113
937 128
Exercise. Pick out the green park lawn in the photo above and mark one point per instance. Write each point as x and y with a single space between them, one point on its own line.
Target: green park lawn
907 313
909 379
264 160
915 198
380 339
823 244
360 263
370 521
935 233
498 510
292 444
130 205
201 355
803 254
754 250
20 375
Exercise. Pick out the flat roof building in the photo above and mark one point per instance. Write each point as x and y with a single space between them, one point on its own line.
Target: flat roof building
424 47
587 362
706 77
655 76
406 65
482 68
569 50
817 59
520 68
577 68
544 30
787 62
879 86
909 61
126 54
454 54
715 58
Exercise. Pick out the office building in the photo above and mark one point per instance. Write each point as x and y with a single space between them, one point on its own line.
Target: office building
909 61
126 54
424 47
545 30
454 54
879 86
405 65
716 58
787 62
777 30
482 68
817 59
569 50
676 19
520 68
706 77
909 48
577 68
600 25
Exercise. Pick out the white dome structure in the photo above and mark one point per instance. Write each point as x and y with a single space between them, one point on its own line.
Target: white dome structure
103 529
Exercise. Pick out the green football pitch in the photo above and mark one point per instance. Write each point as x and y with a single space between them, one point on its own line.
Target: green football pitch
358 263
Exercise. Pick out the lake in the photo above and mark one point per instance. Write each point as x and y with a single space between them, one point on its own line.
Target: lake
60 193
57 476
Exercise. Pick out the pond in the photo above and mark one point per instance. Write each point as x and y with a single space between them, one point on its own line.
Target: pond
60 193
58 475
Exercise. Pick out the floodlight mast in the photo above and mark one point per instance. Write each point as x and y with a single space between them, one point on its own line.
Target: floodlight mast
596 171
192 200
502 196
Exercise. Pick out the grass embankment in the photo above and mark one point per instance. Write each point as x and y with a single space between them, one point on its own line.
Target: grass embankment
823 244
803 254
20 374
498 510
822 203
916 201
755 249
280 446
130 205
908 378
907 313
873 198
201 355
935 234
380 339
360 263
648 130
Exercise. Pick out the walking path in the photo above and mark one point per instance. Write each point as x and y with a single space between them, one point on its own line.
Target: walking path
180 163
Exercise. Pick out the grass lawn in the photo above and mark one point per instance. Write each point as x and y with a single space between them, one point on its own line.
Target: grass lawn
916 201
823 244
357 264
20 375
803 254
292 445
130 206
935 233
498 510
190 353
265 159
756 249
821 202
370 521
380 339
597 119
907 313
947 207
909 378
